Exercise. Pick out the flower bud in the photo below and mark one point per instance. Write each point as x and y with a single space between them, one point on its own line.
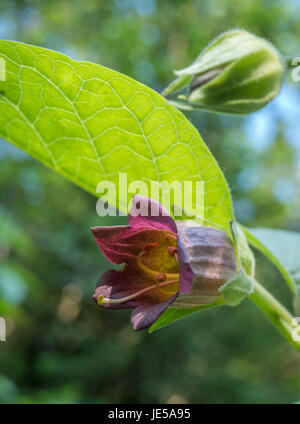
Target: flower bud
237 73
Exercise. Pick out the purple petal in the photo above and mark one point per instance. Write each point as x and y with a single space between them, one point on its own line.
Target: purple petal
129 281
145 315
153 214
206 259
115 285
122 244
109 241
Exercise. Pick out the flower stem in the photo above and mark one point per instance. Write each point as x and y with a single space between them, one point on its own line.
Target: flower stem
276 312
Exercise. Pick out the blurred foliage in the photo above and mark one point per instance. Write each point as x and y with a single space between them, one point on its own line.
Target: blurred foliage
61 347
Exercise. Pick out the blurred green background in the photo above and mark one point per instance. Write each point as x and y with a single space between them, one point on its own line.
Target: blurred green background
62 348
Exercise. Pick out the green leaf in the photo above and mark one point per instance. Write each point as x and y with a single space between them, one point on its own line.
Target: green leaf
244 254
174 314
282 248
177 85
236 289
90 123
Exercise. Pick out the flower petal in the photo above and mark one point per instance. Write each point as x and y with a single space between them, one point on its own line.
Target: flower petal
206 260
145 315
115 285
153 214
121 244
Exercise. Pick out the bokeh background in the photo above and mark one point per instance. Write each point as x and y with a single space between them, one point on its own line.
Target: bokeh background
61 347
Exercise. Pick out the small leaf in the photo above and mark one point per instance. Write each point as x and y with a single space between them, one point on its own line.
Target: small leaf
282 248
236 289
244 253
241 285
177 85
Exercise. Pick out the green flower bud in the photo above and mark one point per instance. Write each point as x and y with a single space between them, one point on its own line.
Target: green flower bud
237 73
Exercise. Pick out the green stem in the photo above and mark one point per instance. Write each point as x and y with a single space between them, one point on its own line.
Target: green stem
276 312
